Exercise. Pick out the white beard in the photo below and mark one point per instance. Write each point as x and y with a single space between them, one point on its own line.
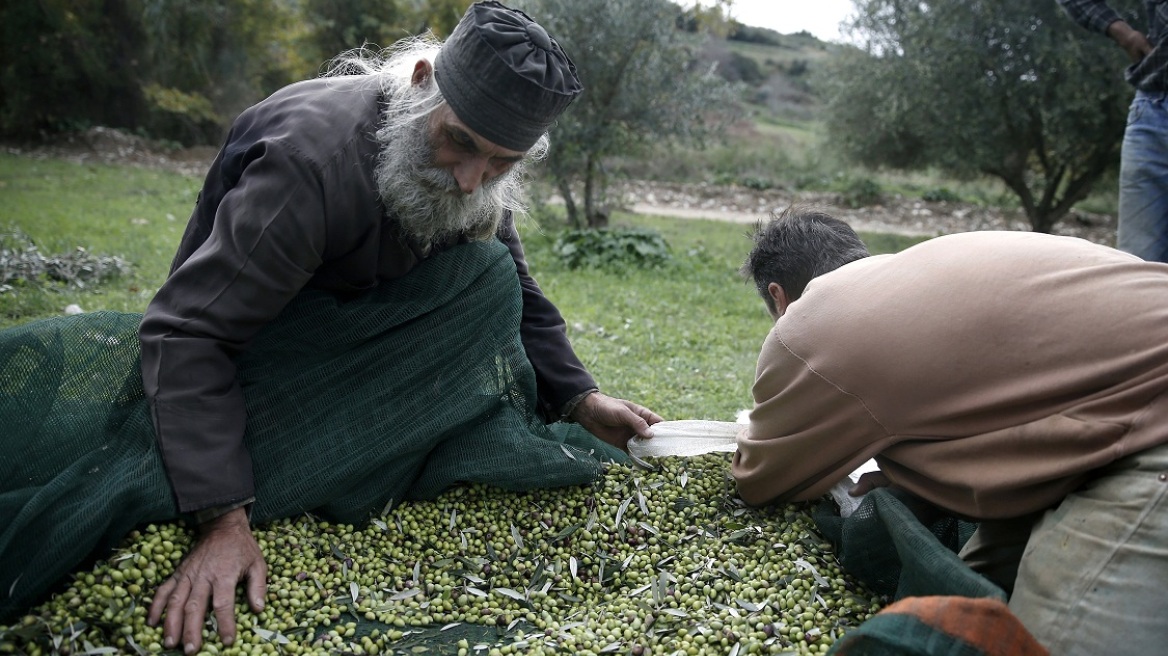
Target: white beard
427 201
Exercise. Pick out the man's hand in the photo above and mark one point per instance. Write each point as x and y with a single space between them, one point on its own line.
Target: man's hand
1133 42
869 481
615 421
225 554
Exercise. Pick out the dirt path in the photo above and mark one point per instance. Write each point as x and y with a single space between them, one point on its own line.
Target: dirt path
750 218
896 215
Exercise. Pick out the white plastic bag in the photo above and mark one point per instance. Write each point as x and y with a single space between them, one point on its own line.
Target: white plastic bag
846 502
689 437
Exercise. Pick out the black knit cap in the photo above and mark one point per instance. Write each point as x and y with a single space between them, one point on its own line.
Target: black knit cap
504 76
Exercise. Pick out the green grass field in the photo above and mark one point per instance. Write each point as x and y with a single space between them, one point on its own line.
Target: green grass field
135 213
682 339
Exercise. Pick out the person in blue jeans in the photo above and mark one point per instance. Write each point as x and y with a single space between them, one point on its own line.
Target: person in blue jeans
1143 171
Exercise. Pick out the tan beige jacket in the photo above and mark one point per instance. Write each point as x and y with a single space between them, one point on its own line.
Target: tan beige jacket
988 372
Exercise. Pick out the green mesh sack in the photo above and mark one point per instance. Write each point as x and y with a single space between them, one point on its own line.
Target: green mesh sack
415 386
885 545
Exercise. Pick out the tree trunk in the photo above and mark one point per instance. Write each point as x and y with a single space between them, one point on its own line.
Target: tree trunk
1043 220
1015 179
569 202
597 217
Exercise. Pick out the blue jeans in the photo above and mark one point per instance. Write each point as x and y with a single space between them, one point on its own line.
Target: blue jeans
1093 577
1143 179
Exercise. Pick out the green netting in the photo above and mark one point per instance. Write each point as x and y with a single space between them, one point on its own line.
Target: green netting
885 545
398 394
900 553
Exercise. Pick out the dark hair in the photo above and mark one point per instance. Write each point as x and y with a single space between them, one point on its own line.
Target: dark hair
797 245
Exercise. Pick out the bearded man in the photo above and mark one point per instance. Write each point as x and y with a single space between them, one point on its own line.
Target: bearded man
346 183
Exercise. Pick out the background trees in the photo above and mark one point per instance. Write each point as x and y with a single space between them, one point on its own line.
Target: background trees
204 60
179 69
339 25
1006 88
643 84
334 26
61 59
970 90
169 68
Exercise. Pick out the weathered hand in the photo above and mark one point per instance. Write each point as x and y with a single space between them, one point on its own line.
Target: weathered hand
1133 42
614 420
225 554
869 481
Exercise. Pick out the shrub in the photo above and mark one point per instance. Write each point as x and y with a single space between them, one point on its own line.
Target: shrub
859 192
611 248
940 195
22 264
758 184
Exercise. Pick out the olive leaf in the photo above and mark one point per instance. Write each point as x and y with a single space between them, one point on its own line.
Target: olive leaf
508 592
620 511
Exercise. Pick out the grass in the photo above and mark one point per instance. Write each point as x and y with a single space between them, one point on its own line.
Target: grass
131 212
772 152
682 339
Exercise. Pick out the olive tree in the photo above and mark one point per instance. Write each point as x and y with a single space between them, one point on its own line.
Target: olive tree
340 25
1011 89
177 69
642 86
337 26
64 64
437 16
207 60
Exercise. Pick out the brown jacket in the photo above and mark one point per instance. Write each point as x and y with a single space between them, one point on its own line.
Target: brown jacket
986 372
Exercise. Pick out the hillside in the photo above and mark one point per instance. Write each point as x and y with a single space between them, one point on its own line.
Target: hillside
778 143
778 69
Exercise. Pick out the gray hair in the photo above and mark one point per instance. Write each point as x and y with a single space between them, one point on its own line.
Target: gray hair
797 245
423 197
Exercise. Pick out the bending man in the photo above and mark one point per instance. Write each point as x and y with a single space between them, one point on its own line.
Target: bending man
1016 379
